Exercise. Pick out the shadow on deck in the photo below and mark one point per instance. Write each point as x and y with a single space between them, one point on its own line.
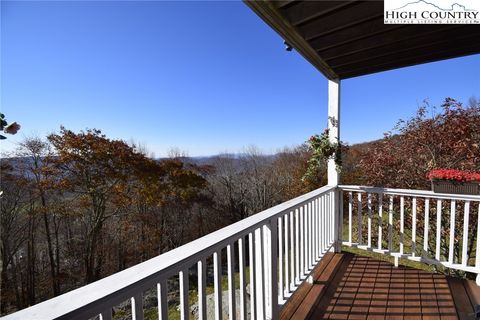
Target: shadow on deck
347 286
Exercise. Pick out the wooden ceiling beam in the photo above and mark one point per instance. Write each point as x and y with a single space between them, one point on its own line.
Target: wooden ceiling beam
365 29
400 51
352 14
305 11
402 45
412 61
385 41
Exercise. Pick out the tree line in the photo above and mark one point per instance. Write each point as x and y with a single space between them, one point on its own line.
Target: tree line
77 207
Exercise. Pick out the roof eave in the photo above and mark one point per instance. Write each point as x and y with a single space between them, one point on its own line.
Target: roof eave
268 13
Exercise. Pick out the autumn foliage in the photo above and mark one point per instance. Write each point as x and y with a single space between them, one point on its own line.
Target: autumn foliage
432 139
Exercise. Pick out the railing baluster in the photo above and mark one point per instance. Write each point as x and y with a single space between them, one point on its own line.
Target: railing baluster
380 218
390 225
439 226
414 226
301 272
330 218
333 213
184 307
293 253
315 233
329 215
319 248
202 284
323 229
162 300
359 217
260 276
280 259
477 251
312 217
266 272
273 310
217 283
253 271
320 226
266 268
241 271
286 288
323 233
350 217
137 306
402 223
426 226
451 248
231 281
298 253
369 205
466 216
327 221
308 226
339 238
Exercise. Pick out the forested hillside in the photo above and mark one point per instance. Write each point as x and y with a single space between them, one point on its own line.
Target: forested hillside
77 207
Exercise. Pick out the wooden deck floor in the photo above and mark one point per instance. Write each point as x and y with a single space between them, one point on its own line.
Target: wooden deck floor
348 286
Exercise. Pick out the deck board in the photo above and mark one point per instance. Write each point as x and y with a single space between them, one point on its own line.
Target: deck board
349 286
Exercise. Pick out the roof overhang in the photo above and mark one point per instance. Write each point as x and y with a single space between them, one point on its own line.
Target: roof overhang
345 39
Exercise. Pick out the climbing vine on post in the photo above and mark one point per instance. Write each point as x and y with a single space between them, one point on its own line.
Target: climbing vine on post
322 150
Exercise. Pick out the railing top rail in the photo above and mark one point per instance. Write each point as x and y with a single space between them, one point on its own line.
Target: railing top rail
74 303
408 192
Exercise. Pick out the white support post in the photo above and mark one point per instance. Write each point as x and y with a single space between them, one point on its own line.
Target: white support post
333 126
334 137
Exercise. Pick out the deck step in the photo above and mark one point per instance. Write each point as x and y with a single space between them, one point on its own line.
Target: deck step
303 301
466 295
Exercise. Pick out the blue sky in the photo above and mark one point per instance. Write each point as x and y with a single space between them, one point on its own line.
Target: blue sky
206 77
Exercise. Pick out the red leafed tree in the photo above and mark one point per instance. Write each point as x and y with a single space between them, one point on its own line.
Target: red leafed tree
97 171
448 139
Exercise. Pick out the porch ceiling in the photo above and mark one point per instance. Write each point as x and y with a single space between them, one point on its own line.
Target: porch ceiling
345 39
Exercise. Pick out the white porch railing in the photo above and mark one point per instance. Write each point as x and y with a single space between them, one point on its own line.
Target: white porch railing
291 238
393 217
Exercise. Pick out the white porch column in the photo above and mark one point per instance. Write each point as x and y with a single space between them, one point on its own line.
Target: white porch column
333 126
333 175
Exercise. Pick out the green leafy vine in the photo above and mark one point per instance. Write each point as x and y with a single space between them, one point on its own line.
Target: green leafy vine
322 149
